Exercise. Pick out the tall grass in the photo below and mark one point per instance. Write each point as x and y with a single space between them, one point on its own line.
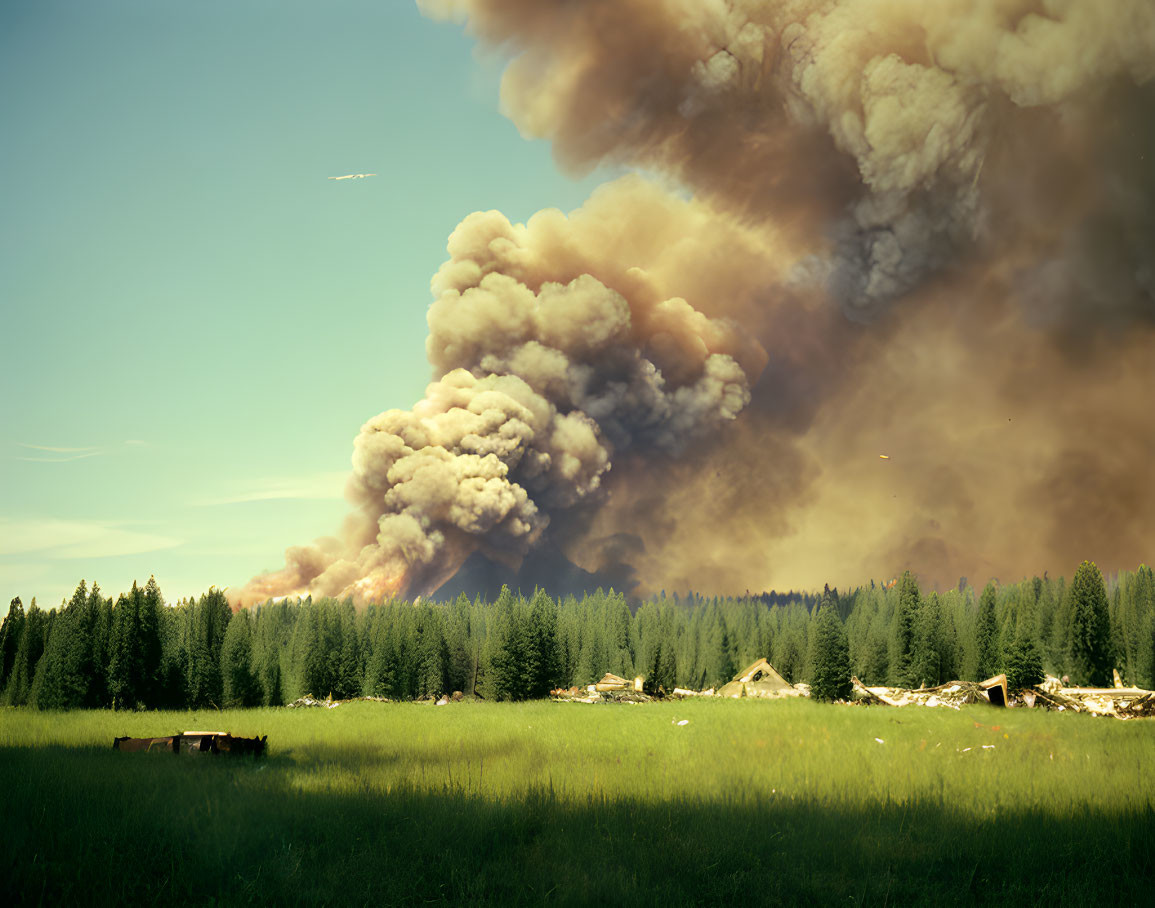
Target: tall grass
573 803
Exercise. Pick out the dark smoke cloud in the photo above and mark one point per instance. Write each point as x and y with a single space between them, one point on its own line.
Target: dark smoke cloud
919 229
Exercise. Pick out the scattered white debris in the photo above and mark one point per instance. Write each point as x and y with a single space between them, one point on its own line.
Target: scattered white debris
684 722
879 740
988 747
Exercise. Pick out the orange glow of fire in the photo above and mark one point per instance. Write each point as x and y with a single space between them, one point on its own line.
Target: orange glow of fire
376 587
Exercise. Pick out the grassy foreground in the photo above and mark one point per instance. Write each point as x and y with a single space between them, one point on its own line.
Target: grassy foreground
758 802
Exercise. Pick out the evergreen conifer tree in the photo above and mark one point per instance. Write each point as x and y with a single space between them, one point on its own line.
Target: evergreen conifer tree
1143 594
239 682
433 655
28 652
721 667
68 669
209 620
381 668
926 656
460 665
1023 663
309 654
544 669
120 653
987 635
506 662
830 675
902 653
10 632
134 667
151 651
1090 632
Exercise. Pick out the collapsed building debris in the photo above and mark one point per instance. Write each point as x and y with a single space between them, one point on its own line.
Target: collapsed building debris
611 682
757 680
610 689
194 742
953 694
308 700
1120 702
686 692
761 680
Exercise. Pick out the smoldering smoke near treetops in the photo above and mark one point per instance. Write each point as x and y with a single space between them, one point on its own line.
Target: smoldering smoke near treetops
871 225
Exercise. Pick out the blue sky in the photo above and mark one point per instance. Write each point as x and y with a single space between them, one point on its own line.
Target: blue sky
195 319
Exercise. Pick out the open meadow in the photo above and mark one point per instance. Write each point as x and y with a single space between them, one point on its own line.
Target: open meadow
750 801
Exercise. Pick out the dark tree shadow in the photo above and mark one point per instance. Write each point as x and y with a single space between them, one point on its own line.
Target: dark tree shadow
86 826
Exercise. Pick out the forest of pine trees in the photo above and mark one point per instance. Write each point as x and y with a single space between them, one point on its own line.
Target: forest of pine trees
138 653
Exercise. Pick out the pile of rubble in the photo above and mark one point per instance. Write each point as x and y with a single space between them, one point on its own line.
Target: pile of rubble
329 703
953 694
761 680
1118 701
591 694
610 689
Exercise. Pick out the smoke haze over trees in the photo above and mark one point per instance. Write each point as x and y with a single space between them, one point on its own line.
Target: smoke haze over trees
138 653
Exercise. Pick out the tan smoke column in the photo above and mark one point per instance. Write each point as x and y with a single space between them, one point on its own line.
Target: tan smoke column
931 224
556 353
974 180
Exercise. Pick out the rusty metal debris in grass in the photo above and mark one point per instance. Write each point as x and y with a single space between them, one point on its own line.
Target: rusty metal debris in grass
194 742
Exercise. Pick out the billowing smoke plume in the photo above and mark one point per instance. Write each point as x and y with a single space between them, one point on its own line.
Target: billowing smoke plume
868 123
551 364
933 223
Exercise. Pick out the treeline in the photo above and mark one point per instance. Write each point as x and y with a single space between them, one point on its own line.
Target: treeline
140 653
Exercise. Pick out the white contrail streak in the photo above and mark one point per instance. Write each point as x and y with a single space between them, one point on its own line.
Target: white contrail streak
354 176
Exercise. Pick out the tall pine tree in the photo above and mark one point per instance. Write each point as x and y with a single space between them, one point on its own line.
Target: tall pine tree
830 675
18 691
10 632
1090 631
134 668
906 613
208 621
987 635
239 681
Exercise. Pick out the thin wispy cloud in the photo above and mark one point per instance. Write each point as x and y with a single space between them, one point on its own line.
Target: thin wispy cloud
59 450
63 454
66 539
313 487
55 453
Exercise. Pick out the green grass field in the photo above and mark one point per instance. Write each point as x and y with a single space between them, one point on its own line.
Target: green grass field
752 801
